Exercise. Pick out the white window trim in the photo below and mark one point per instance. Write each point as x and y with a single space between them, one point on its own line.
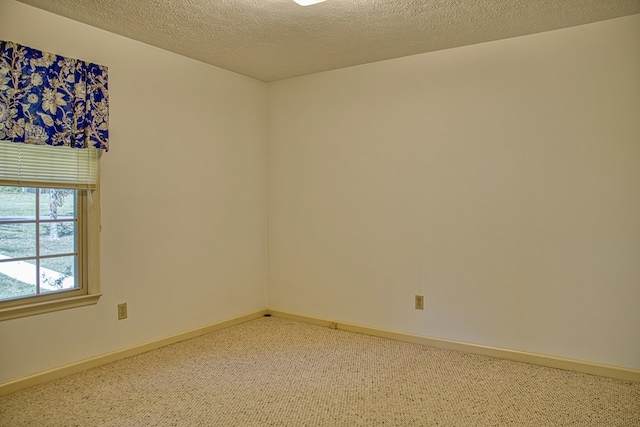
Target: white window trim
58 301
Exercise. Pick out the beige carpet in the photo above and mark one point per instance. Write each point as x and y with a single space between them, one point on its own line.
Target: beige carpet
276 372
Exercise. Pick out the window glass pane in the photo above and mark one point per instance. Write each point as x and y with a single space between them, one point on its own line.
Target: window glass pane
17 240
57 238
57 203
17 279
43 228
17 203
57 273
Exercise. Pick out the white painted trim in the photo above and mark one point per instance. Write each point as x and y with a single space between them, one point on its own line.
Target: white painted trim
519 356
88 269
610 371
48 306
62 371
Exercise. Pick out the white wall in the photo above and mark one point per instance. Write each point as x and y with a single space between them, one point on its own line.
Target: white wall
500 180
183 198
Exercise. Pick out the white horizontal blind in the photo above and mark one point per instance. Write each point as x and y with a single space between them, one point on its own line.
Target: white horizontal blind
28 164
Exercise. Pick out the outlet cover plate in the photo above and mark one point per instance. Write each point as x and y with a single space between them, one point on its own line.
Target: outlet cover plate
122 311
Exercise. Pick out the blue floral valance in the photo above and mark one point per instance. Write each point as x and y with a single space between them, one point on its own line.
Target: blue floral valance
50 99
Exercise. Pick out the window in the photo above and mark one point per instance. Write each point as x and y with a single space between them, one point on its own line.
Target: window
54 122
49 229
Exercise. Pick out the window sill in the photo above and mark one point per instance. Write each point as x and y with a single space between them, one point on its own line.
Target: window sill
48 306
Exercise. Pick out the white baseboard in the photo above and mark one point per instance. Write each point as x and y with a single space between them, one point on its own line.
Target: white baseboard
62 371
519 356
501 353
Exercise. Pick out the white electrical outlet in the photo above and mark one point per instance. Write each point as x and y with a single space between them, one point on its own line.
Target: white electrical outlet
122 311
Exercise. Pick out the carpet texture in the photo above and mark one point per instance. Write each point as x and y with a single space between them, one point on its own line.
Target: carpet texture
277 372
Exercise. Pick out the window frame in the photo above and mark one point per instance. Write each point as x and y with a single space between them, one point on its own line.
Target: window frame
88 247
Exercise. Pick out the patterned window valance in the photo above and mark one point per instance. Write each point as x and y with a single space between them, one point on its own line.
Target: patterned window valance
50 99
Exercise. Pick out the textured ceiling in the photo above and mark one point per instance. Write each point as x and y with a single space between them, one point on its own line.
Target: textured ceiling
277 39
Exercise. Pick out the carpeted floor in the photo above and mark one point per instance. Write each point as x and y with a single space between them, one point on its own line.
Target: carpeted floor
277 372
